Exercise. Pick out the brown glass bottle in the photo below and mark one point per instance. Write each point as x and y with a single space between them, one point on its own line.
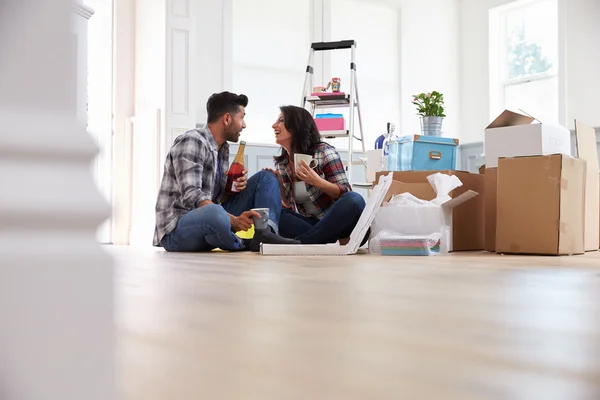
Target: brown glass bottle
236 170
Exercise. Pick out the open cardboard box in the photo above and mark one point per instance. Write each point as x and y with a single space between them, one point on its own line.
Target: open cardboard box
335 249
512 135
468 225
425 221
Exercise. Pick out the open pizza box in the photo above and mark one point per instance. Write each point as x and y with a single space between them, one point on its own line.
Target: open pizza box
335 249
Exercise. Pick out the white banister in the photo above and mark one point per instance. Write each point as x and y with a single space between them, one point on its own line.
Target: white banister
56 283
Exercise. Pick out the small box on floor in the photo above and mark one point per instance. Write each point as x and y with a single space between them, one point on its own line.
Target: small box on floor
540 205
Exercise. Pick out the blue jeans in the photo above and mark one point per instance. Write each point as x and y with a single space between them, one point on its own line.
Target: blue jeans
338 222
206 228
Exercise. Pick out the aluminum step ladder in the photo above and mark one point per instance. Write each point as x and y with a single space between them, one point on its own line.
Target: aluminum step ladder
349 100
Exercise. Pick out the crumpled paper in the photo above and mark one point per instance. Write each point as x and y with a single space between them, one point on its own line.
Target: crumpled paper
442 184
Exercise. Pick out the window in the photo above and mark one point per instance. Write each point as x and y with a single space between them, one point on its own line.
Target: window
524 58
270 49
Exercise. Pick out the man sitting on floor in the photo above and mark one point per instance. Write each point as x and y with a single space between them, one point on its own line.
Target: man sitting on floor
192 211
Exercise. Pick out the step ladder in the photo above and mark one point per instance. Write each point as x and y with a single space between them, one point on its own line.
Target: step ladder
348 99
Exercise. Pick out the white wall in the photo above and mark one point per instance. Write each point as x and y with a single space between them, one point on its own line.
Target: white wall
212 16
581 29
582 23
269 53
123 110
246 57
429 53
377 62
474 76
430 60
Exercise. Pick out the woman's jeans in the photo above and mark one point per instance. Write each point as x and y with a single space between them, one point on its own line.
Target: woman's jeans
338 222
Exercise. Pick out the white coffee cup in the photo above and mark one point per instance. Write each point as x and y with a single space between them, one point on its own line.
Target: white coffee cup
312 162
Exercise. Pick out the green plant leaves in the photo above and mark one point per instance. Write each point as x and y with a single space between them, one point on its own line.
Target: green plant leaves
429 104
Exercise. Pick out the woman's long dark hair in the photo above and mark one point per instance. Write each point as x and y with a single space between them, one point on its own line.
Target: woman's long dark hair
305 135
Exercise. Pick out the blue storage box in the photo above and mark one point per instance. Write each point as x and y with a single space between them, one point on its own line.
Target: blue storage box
425 153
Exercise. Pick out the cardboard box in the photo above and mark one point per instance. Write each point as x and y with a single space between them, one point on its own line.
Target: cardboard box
586 150
512 134
540 205
420 221
468 226
490 191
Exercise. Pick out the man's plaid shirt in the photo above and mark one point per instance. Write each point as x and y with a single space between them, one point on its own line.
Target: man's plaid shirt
329 167
189 178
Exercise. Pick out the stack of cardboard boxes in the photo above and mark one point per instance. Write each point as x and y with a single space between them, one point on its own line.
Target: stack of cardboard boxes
539 199
534 197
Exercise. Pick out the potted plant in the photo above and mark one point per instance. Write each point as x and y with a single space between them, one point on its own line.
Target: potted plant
430 106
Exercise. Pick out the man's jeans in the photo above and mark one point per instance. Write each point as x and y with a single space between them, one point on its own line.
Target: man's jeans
338 222
208 227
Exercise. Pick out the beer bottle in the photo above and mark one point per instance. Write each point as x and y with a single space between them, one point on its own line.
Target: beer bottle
235 170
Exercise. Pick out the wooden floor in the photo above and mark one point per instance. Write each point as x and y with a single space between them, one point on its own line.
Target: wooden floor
459 326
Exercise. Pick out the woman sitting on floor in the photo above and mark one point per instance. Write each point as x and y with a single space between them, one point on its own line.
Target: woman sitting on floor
319 205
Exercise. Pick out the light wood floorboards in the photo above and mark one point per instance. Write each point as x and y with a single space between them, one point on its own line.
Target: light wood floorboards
459 326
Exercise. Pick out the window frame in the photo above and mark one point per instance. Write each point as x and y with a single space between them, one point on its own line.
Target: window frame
500 77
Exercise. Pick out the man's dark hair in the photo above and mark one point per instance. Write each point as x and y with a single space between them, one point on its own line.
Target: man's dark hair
305 135
222 103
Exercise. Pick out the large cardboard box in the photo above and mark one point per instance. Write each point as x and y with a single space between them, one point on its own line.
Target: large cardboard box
491 183
586 150
468 225
512 134
541 205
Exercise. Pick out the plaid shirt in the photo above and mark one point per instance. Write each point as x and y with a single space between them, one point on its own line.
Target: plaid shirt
189 178
329 167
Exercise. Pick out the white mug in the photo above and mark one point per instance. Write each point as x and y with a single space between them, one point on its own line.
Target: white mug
312 162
